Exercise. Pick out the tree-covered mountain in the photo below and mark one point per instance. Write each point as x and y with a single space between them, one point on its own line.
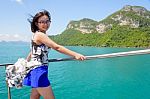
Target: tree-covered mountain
128 27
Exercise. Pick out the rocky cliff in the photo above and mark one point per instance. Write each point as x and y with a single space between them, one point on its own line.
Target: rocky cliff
133 16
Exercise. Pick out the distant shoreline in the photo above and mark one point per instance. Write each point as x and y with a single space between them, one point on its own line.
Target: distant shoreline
24 42
12 42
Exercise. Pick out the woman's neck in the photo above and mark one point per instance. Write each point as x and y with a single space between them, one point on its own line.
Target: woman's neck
42 31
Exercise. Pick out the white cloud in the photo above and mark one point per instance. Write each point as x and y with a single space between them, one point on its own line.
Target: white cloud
18 1
14 37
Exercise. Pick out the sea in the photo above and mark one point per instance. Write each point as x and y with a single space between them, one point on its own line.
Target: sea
110 78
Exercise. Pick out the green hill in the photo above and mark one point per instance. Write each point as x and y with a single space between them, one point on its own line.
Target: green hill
128 27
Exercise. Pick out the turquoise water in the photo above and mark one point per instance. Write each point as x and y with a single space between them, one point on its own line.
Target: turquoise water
111 78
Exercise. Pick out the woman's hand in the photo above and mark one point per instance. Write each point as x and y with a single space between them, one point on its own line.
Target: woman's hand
79 57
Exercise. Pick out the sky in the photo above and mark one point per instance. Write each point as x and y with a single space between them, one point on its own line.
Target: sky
14 14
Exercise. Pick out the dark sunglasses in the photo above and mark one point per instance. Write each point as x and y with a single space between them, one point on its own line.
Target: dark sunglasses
44 21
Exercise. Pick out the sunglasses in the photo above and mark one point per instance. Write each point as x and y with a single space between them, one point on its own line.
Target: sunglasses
44 21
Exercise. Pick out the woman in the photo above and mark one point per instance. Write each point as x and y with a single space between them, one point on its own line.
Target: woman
37 78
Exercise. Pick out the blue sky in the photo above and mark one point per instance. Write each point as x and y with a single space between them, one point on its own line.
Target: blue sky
14 14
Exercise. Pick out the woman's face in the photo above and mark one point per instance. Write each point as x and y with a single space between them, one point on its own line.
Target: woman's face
43 23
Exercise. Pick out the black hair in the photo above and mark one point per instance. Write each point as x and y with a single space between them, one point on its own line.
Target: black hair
33 20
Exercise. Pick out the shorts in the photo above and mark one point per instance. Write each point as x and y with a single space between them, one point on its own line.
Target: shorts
37 77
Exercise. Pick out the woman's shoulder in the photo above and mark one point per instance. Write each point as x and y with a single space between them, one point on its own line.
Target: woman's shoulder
39 35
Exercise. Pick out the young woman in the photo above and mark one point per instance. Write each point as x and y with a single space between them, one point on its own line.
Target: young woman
38 78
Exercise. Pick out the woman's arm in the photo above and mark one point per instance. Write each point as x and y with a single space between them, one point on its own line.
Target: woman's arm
43 38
